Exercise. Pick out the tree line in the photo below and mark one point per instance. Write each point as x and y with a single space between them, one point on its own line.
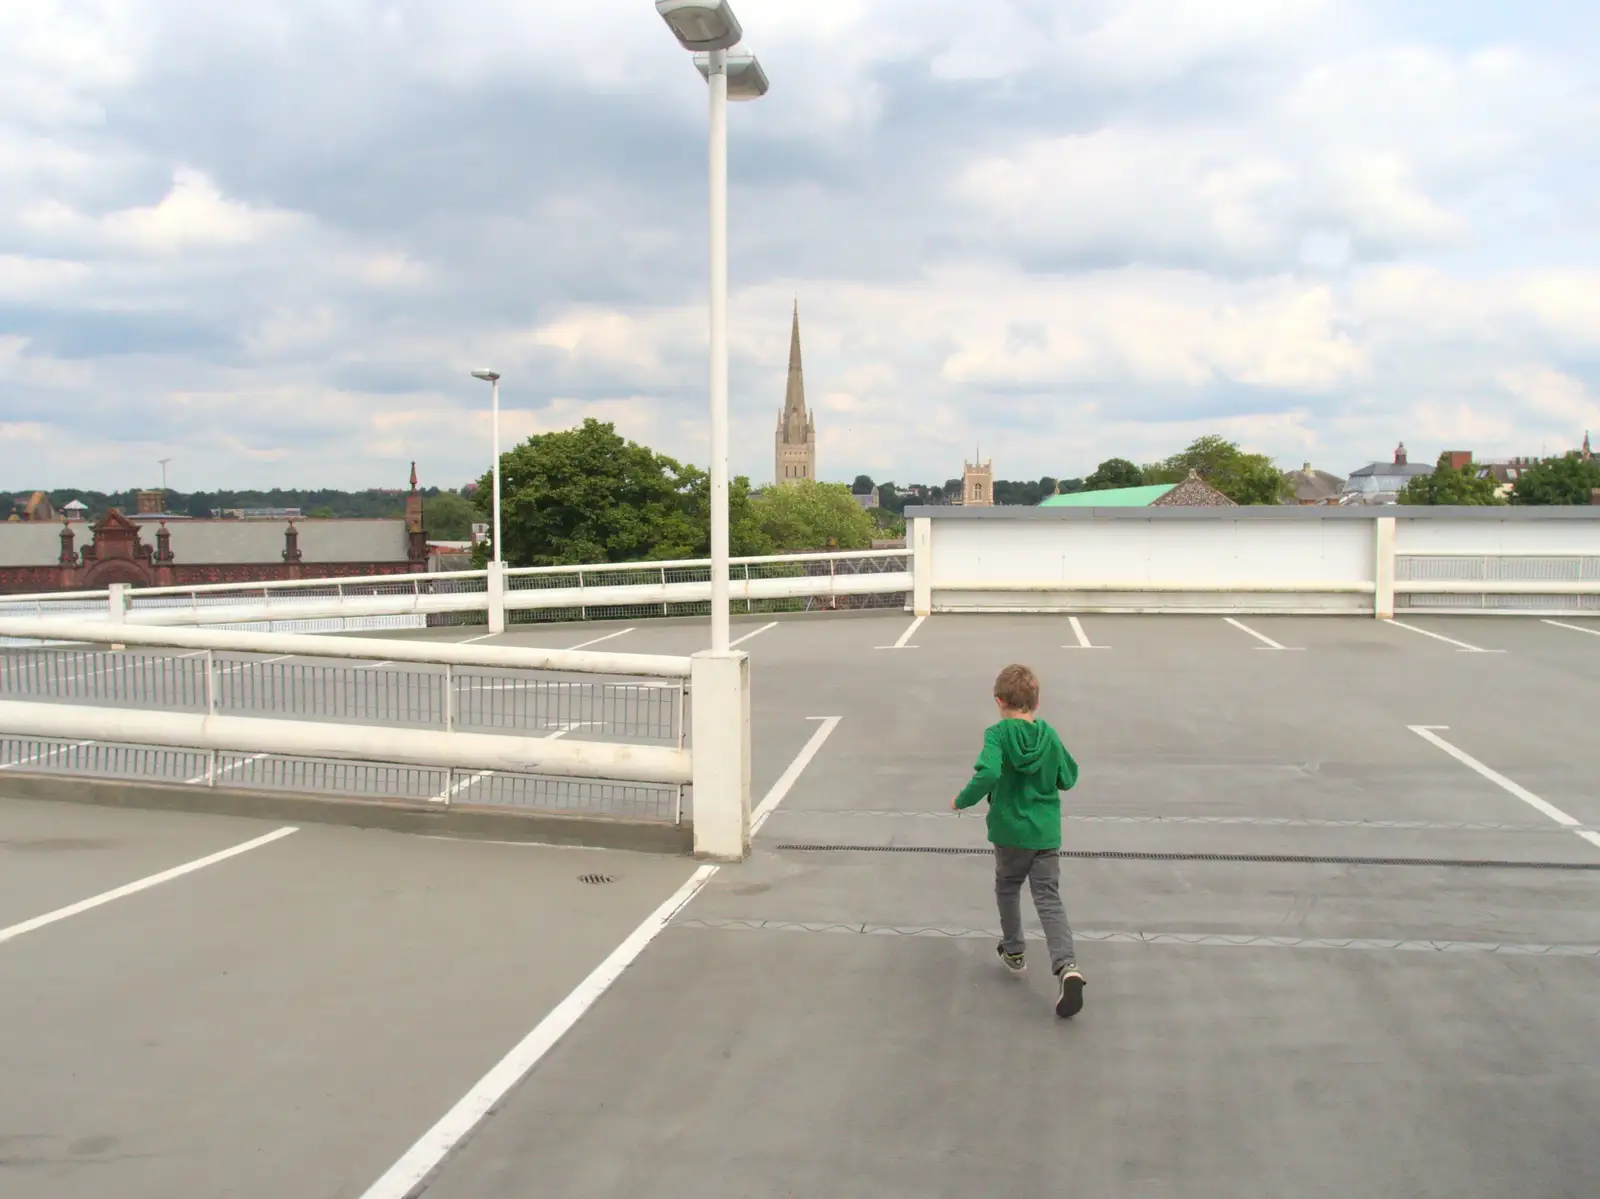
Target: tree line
1569 479
1244 478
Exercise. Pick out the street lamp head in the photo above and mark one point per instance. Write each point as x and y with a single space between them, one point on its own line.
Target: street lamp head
746 79
701 24
487 376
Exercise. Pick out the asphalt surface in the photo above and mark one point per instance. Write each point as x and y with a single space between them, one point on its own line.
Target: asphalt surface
1349 962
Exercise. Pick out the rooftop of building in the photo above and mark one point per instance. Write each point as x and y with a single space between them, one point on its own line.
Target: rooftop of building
1111 497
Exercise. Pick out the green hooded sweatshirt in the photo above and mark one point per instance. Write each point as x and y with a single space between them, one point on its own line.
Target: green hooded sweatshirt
1022 770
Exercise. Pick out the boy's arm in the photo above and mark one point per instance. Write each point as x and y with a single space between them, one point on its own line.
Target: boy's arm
985 774
1067 779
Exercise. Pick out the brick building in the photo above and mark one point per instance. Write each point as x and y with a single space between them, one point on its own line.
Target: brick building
157 550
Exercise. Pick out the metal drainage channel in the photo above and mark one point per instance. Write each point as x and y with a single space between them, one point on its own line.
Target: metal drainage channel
596 879
1144 856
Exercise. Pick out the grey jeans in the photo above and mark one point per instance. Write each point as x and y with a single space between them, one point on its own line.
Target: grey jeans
1042 869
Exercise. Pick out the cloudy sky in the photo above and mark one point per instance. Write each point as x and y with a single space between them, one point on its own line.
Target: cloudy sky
269 241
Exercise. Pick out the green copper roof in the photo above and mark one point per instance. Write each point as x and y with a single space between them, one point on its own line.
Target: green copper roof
1115 497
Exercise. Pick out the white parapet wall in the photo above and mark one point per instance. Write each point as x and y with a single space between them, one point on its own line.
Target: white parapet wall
1370 561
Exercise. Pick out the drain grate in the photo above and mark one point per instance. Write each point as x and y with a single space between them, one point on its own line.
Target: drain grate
1294 859
596 879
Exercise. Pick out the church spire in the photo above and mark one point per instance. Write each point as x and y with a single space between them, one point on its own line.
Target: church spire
794 399
795 444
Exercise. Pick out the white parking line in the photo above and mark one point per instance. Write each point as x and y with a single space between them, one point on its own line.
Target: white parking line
406 1176
237 666
479 637
786 780
1460 645
1430 734
143 884
46 754
598 640
1576 628
229 768
402 1180
455 789
756 633
1271 644
1083 638
905 636
452 791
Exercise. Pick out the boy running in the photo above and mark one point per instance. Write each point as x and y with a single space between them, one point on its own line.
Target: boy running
1022 770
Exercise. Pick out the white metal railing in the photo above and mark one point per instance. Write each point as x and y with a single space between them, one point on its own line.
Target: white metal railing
719 686
645 585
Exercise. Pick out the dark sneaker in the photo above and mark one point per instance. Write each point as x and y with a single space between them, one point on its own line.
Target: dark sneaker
1013 962
1069 991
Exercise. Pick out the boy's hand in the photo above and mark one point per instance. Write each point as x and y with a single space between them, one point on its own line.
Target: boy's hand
955 804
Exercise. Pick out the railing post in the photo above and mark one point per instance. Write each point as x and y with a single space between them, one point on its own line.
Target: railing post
664 612
497 597
211 687
721 756
683 736
1383 539
921 566
117 599
449 698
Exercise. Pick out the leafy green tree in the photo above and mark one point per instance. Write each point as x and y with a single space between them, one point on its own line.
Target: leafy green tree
1568 480
1114 472
1243 478
890 525
1447 485
812 516
322 512
745 536
448 517
863 485
587 495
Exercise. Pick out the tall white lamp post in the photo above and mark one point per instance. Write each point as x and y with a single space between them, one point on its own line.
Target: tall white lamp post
710 30
492 378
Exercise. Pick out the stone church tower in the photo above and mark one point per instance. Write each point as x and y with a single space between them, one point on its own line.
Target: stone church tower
795 448
977 483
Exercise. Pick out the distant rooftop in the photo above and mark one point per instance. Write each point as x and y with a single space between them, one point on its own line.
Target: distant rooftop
1112 497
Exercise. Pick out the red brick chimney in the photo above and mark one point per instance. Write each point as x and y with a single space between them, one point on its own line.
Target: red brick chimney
1458 459
1400 454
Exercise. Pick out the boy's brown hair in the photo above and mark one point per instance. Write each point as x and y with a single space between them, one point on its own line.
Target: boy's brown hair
1017 688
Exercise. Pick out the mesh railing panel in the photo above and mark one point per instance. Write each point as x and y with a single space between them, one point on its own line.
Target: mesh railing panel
378 693
374 782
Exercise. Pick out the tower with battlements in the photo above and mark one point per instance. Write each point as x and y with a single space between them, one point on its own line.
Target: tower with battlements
977 483
795 445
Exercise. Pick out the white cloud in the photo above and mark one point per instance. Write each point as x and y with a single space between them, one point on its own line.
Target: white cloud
193 214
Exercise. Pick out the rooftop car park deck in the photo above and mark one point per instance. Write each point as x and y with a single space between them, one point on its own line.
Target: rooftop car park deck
1338 904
